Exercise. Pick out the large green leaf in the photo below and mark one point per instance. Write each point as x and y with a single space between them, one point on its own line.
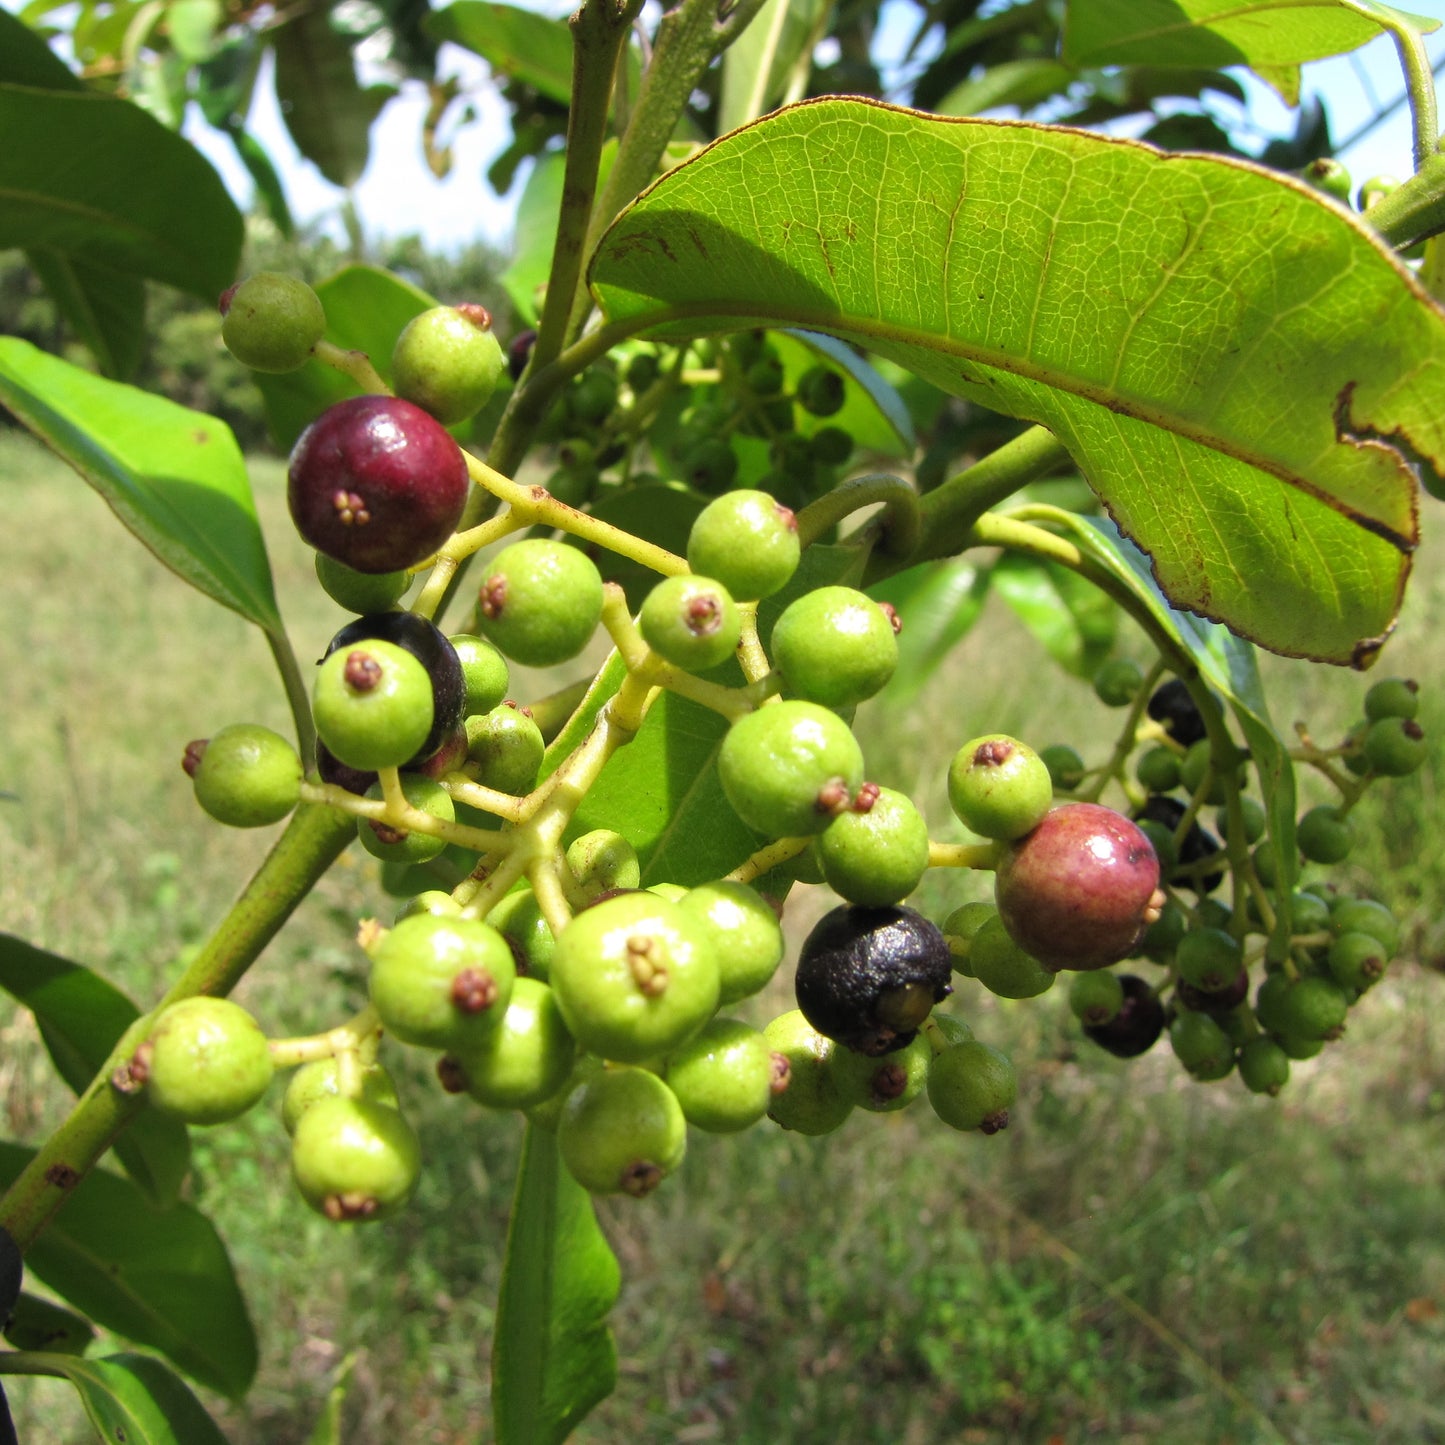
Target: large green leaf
326 109
366 308
160 1277
553 1357
1243 373
175 477
96 177
81 1017
25 58
38 1324
129 1399
105 307
1256 33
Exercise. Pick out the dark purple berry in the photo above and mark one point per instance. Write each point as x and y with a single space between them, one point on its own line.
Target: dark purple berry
1135 1029
1172 706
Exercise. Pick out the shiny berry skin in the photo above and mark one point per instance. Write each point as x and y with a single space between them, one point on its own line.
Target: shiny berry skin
506 748
406 845
999 787
691 622
1263 1066
1065 766
206 1061
722 1076
1201 1045
1118 681
748 542
1172 706
271 321
747 938
1395 747
376 483
1096 998
484 673
1079 891
868 977
1135 1029
448 361
1325 835
622 1132
876 854
426 643
526 1059
362 592
835 646
1004 968
320 1079
540 602
373 705
821 391
246 776
887 1083
972 1085
1393 697
817 1099
353 1160
790 768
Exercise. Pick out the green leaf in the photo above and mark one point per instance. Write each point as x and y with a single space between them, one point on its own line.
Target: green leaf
105 307
81 1018
160 1277
326 109
130 1399
938 604
366 308
759 63
1073 621
1257 33
174 477
25 58
536 230
96 177
1024 83
873 413
553 1357
37 1324
1242 371
1229 665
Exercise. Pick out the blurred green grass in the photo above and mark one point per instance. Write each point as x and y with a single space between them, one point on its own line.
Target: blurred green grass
1137 1259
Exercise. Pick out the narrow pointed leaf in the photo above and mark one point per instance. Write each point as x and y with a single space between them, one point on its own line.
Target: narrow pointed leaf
1071 619
37 1324
553 1357
1243 373
173 476
95 176
536 231
105 307
758 64
81 1017
129 1399
159 1277
1257 33
937 604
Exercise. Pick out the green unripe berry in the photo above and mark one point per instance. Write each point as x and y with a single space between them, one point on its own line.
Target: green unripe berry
1095 997
1325 835
885 1083
354 1161
1295 1047
723 1077
593 397
206 1061
1117 682
448 361
1393 697
541 601
622 1132
764 376
441 982
1263 1066
519 919
1209 959
875 856
1374 190
972 1085
746 937
1162 936
747 542
1158 769
602 860
1266 864
691 622
1195 766
1329 176
999 787
635 975
1395 747
1364 915
363 592
1065 765
526 1058
831 446
431 900
1201 1045
484 673
1162 841
403 845
709 465
246 776
961 927
642 371
1002 967
789 768
373 705
821 391
1310 1008
1310 912
1252 818
814 1102
834 646
506 747
271 322
1356 961
321 1079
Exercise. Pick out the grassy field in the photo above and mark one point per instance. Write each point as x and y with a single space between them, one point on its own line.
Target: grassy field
1137 1259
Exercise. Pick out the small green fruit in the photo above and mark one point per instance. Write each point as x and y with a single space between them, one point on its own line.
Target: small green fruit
885 1084
622 1132
835 646
1096 998
746 937
999 787
1066 766
691 622
878 854
245 776
506 748
601 861
541 601
1117 682
1325 835
448 361
354 1161
1263 1066
320 1079
971 1085
399 845
1395 747
373 705
206 1061
1004 968
723 1077
484 673
1201 1045
814 1102
271 321
1393 697
362 592
526 1059
747 542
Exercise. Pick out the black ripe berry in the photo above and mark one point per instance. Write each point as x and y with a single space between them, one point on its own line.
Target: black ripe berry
1135 1029
1198 845
376 483
868 977
427 644
1172 706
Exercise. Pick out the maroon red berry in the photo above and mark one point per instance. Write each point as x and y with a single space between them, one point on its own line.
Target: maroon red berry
376 483
1079 891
